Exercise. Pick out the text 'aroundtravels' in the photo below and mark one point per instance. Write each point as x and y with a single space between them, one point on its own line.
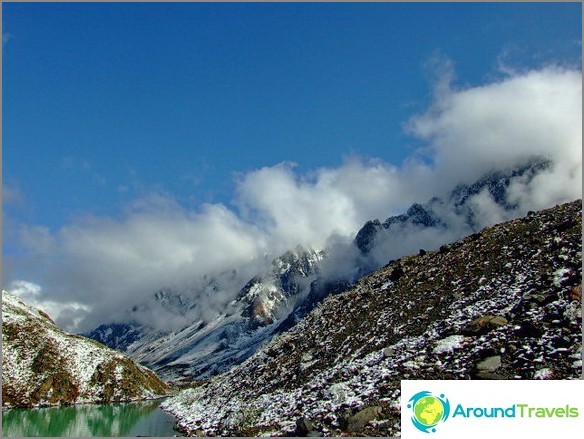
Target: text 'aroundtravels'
516 411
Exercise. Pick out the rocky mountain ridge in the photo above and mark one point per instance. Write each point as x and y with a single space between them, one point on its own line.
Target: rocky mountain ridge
274 301
503 303
438 212
444 219
204 348
43 365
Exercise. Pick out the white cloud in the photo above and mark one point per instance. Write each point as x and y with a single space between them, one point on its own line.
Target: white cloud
292 208
109 264
68 314
498 125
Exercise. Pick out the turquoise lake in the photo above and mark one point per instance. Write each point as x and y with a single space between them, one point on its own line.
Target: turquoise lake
144 418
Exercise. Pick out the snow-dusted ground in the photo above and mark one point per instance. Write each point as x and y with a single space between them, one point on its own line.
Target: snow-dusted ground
352 351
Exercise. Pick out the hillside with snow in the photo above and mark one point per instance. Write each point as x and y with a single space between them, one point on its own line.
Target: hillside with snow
502 303
43 365
204 348
275 299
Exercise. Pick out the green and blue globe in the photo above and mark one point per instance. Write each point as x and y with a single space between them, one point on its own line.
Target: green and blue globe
428 410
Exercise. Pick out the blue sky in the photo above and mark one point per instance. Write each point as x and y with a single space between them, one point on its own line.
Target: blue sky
145 143
105 102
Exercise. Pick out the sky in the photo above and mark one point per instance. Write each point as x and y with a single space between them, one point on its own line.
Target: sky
147 144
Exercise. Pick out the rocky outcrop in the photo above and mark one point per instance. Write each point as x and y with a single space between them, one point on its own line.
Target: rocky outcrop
117 336
42 365
459 202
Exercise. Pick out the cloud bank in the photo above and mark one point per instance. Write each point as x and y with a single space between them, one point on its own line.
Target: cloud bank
106 265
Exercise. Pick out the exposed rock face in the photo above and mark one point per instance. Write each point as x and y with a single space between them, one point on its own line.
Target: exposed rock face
204 348
352 350
366 236
117 335
264 297
430 214
42 365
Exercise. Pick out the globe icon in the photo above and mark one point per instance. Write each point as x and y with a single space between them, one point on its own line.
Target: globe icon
428 411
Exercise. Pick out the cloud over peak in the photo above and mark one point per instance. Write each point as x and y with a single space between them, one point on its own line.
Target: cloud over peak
109 264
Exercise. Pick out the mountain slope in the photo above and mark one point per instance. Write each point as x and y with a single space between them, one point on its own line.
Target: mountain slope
463 211
274 301
42 365
503 303
206 347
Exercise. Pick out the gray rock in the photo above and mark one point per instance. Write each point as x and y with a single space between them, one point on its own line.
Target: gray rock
303 426
489 369
490 364
388 352
359 420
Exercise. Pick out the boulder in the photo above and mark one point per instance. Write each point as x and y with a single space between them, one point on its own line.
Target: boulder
359 420
303 426
490 364
487 369
528 329
396 274
388 352
483 325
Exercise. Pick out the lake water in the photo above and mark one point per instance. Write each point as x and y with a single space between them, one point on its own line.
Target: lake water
144 418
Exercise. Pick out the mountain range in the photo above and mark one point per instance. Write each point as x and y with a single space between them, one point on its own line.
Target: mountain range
202 349
274 301
317 343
